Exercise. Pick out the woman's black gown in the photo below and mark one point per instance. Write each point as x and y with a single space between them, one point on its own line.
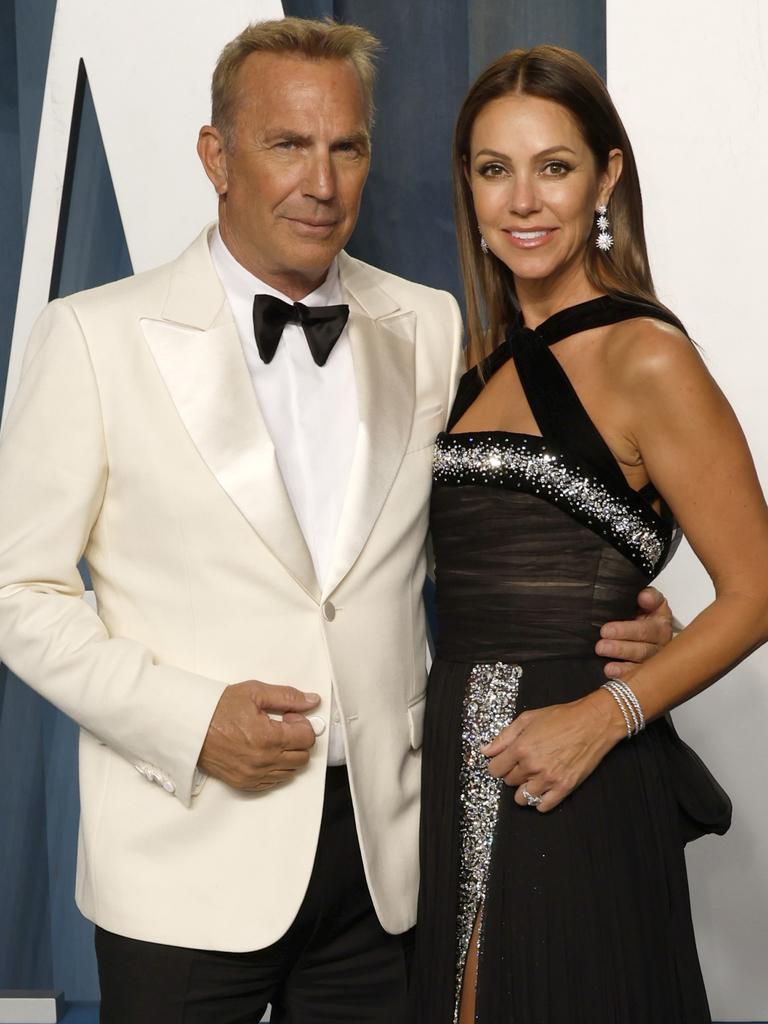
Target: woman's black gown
538 541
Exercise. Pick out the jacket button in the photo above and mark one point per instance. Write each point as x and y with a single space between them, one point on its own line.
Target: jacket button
318 724
329 612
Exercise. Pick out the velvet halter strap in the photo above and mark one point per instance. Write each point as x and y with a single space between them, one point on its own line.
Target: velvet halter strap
557 409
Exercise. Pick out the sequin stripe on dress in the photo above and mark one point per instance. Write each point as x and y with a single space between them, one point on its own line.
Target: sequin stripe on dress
526 462
490 703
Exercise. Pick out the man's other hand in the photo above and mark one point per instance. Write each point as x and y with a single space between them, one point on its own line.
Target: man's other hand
637 640
251 751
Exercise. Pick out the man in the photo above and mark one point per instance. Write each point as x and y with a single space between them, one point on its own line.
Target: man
252 507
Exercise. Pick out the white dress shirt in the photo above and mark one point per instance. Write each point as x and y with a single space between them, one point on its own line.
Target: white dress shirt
311 414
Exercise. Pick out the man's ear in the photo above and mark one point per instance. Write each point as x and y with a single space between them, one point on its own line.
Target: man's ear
213 156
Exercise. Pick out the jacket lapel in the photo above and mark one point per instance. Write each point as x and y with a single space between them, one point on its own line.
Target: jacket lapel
383 353
197 350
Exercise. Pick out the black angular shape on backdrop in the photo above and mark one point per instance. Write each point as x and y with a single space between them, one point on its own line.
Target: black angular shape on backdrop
90 241
69 177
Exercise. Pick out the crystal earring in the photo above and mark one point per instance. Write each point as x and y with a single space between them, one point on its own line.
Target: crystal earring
604 240
484 247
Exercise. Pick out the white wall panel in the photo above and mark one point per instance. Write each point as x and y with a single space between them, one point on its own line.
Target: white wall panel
690 79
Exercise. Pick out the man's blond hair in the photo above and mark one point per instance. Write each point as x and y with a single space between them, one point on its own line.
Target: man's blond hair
297 37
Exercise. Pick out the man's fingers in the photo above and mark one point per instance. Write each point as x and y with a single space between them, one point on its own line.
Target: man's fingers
256 777
619 670
250 750
626 650
649 629
283 698
290 760
296 735
265 782
279 777
636 640
652 600
295 716
642 630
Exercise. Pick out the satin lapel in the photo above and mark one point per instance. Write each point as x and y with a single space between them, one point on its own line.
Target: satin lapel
208 381
383 357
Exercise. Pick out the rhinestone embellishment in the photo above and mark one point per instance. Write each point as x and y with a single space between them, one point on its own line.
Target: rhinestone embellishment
604 241
490 702
505 460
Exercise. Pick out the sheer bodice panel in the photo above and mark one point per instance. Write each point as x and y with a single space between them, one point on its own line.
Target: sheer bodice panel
516 577
518 580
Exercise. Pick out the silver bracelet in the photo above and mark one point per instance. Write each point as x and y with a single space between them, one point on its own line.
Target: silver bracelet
629 695
614 687
620 703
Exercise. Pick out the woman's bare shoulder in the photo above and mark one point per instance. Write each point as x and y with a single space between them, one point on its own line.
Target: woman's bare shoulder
647 351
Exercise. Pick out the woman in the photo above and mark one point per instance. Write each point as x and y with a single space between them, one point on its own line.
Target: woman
556 808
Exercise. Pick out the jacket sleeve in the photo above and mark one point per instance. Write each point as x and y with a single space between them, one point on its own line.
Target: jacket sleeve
53 475
455 334
458 354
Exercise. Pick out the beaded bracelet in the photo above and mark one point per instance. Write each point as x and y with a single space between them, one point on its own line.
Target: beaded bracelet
617 690
634 703
620 703
628 704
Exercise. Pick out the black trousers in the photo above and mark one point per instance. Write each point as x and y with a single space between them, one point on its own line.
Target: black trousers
335 964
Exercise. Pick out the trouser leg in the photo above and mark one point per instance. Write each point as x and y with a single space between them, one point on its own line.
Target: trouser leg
149 983
351 970
335 963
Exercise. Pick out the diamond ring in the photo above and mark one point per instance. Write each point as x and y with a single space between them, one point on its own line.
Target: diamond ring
531 800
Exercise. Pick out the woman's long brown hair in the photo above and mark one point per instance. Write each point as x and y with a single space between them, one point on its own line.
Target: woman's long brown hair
564 77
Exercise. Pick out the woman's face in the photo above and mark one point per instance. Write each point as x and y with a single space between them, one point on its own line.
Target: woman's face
535 185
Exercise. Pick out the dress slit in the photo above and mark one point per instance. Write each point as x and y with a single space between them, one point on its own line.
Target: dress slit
490 704
470 978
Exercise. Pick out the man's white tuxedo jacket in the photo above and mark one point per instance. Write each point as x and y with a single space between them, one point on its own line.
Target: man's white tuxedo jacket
136 440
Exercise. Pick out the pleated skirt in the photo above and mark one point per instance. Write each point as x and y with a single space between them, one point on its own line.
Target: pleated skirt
586 915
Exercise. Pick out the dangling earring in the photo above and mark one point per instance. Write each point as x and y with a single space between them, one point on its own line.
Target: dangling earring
484 247
604 240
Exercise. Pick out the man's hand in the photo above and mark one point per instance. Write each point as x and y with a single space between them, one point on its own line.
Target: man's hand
638 640
249 750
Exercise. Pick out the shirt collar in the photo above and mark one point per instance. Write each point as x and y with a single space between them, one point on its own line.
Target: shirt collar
242 283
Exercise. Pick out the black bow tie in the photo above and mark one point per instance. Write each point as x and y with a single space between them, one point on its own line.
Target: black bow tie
322 325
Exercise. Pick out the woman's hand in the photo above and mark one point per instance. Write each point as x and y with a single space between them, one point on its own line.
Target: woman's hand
550 751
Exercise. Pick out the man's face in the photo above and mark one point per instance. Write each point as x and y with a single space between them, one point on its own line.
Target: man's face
292 178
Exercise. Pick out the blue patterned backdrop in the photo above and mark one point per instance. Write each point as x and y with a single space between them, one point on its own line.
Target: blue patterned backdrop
433 49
